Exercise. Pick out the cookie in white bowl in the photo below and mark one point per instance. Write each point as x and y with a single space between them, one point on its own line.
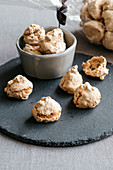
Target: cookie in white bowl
33 49
33 34
53 42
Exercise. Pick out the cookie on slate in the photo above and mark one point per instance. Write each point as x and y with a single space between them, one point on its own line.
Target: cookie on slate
46 110
71 80
20 87
86 96
96 67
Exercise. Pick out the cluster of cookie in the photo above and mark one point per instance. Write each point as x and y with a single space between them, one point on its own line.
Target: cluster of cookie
45 110
97 18
85 96
40 43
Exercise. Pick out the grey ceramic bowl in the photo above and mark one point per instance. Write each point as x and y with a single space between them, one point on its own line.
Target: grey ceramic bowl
48 66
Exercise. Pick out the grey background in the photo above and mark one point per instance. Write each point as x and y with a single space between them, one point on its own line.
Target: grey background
15 155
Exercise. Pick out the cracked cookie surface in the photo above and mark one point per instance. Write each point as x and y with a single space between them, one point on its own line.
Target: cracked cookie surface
33 34
94 31
20 87
86 96
95 9
32 49
71 80
108 40
46 110
96 67
84 14
53 42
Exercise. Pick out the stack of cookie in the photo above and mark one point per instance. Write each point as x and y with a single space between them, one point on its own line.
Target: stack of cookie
97 20
40 43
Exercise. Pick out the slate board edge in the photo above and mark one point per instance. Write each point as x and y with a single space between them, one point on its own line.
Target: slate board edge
56 144
50 143
17 60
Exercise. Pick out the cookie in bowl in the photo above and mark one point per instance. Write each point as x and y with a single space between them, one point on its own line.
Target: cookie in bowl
33 49
20 87
53 42
33 34
54 61
46 110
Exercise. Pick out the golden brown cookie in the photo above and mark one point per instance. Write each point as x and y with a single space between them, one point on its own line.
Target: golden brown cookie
71 80
94 8
53 42
108 40
84 14
86 96
96 67
33 34
94 31
87 1
20 87
108 19
107 5
33 49
46 110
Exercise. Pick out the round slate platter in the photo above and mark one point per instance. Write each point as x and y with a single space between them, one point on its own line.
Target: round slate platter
75 127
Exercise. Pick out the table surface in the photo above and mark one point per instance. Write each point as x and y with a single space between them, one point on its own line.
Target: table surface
15 155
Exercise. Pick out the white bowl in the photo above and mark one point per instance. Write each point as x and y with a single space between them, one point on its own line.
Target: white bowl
48 66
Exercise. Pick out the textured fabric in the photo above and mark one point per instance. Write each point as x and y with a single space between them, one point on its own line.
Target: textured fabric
15 155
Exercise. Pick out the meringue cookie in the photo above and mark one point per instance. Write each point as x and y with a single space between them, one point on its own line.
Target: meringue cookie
20 87
46 110
71 80
33 34
94 31
55 34
32 49
53 42
87 1
96 67
84 14
108 19
107 5
86 96
108 40
94 8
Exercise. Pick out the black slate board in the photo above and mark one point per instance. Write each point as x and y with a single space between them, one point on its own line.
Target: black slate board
75 127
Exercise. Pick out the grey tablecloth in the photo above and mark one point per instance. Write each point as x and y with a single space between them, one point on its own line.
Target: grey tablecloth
15 155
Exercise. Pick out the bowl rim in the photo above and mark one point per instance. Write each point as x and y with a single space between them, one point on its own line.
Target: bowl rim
48 55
